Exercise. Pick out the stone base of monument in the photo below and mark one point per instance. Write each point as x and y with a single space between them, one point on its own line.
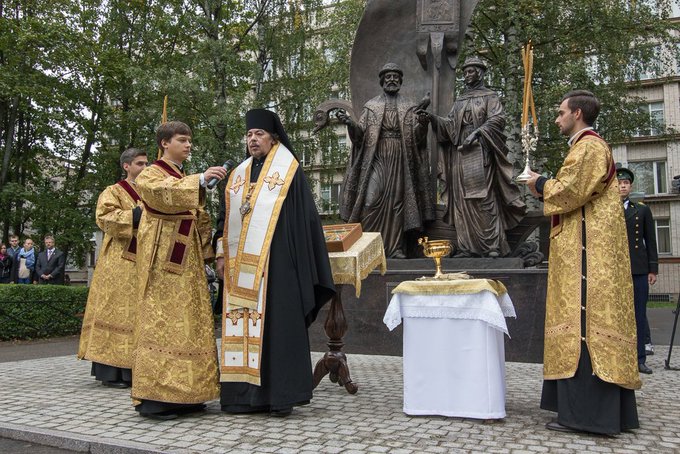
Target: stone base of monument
368 335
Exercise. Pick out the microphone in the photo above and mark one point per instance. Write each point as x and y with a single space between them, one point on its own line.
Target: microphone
228 165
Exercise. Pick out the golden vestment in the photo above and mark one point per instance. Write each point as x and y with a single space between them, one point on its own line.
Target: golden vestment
107 334
175 358
586 188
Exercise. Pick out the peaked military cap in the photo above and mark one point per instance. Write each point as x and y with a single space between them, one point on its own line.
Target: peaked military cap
625 174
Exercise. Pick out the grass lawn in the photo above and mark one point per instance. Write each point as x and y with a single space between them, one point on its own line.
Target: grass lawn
661 304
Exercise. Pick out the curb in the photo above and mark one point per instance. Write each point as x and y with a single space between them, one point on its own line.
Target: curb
79 443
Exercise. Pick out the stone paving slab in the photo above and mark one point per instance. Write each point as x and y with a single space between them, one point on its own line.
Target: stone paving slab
54 401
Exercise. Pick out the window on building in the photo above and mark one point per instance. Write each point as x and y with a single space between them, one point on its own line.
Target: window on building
656 119
663 236
675 9
330 198
650 177
305 159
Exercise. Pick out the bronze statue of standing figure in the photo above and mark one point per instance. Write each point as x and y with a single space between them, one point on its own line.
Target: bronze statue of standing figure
482 200
386 186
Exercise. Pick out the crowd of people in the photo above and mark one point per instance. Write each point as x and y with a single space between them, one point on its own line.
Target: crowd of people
26 265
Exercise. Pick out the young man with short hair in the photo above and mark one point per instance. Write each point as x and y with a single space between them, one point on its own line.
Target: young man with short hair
13 246
590 363
644 259
175 364
108 327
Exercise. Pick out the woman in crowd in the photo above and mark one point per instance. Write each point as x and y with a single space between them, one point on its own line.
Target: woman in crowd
5 265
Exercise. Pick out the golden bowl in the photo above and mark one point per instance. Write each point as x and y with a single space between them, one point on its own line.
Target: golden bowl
436 249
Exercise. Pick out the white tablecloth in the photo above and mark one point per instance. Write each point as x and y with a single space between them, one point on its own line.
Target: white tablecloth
454 356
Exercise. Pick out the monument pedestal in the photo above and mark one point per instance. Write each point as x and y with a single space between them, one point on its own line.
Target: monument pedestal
368 335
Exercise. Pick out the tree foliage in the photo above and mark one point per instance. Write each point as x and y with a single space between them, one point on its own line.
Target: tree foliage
81 81
605 46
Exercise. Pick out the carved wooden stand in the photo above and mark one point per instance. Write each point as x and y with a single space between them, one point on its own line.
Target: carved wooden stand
334 362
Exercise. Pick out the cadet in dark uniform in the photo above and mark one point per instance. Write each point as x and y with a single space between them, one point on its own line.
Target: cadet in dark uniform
644 260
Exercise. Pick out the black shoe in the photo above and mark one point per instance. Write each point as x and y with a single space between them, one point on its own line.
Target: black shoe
116 384
185 410
642 367
554 425
282 412
163 416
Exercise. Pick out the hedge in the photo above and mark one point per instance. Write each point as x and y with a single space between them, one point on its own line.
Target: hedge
35 311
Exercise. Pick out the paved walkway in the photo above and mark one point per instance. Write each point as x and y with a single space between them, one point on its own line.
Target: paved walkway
54 401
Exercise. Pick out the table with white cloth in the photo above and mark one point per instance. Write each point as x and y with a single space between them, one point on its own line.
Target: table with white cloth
454 355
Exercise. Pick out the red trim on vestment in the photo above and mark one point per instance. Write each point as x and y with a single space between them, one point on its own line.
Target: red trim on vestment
130 190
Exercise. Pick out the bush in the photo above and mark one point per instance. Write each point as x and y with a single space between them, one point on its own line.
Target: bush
34 311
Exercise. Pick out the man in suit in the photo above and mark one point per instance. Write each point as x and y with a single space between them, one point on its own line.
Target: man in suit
49 267
644 260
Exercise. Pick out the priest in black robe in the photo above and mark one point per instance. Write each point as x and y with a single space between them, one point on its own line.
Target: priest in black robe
276 374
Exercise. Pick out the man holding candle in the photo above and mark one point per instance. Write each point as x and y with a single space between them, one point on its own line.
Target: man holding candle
590 359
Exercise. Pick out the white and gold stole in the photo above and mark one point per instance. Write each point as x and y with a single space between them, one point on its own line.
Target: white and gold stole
246 242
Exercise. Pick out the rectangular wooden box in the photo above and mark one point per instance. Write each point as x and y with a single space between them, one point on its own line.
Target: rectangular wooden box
340 237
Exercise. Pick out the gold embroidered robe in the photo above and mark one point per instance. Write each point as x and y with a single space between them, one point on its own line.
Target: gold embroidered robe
586 180
107 333
176 355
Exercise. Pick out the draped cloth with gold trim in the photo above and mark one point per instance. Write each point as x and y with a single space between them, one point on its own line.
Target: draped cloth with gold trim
248 238
586 188
277 278
176 354
108 325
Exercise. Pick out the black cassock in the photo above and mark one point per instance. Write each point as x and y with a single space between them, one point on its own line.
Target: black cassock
299 284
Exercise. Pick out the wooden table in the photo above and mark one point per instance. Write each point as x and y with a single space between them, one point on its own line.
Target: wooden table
349 268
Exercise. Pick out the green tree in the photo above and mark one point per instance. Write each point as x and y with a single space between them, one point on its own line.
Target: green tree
603 46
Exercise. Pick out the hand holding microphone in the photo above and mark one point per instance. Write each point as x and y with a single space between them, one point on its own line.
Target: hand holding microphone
214 174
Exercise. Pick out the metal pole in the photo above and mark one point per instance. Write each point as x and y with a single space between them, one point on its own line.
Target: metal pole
670 347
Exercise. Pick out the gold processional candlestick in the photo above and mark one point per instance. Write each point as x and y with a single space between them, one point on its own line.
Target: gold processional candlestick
529 130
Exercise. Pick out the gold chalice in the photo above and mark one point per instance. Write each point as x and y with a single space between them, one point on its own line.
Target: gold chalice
436 249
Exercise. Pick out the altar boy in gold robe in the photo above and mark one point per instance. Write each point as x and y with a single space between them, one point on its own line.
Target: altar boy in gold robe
590 358
106 337
175 364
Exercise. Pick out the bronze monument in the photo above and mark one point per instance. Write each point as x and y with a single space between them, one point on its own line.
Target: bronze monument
482 202
387 183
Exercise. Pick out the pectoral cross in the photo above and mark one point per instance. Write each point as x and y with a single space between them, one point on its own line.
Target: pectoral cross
245 208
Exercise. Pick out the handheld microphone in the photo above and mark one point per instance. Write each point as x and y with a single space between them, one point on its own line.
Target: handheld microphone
228 165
